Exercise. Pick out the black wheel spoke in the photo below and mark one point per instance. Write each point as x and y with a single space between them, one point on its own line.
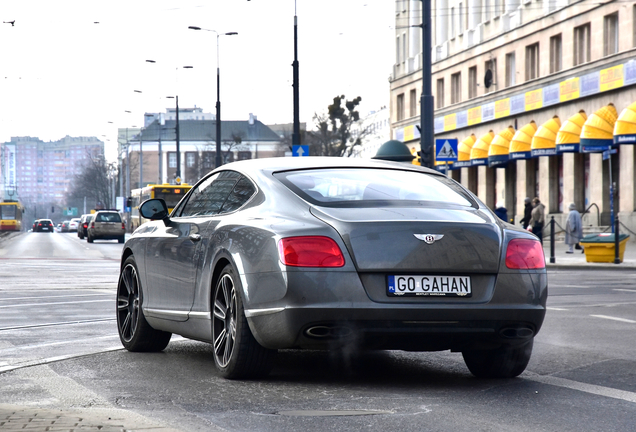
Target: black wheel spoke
224 320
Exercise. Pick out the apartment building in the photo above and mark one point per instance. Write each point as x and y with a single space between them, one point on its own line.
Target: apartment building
45 170
522 84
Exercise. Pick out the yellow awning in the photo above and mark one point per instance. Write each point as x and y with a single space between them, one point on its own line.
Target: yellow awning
479 152
500 148
463 151
569 136
597 133
544 140
625 127
521 143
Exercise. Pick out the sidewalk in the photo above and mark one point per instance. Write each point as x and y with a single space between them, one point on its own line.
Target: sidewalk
21 418
577 259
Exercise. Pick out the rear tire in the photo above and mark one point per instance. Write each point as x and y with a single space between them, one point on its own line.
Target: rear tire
121 239
89 238
237 355
134 331
503 362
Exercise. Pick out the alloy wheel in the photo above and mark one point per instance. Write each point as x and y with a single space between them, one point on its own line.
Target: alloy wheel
224 321
128 302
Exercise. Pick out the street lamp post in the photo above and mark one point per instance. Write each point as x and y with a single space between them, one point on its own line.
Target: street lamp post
219 159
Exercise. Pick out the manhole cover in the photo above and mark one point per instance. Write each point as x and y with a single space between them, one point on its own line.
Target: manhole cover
330 413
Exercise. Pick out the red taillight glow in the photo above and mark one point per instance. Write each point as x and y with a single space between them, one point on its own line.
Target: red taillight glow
123 226
525 254
310 251
92 224
85 225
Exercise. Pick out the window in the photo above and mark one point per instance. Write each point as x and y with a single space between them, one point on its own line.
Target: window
209 196
400 107
452 22
582 44
413 103
172 160
456 88
492 66
241 193
511 70
398 60
487 11
610 34
190 159
461 18
403 47
472 82
244 155
440 93
208 160
555 53
532 61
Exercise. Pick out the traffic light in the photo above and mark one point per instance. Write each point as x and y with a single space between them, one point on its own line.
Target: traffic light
426 153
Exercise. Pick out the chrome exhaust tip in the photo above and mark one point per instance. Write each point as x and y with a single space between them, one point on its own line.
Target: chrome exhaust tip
517 332
328 332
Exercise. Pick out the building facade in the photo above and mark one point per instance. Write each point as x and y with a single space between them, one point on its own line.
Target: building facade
375 129
514 70
157 160
43 171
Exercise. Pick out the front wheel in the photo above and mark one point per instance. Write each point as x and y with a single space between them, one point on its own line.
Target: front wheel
134 331
503 362
237 354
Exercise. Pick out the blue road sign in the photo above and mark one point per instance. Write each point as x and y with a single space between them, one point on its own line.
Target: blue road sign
608 153
300 150
446 150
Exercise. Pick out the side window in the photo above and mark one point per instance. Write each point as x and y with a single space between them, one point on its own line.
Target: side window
242 192
208 197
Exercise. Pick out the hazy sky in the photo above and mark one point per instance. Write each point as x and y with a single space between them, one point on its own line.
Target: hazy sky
71 67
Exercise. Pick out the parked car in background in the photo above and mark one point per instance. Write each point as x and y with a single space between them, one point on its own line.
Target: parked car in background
65 226
106 225
35 223
335 254
82 228
73 224
44 225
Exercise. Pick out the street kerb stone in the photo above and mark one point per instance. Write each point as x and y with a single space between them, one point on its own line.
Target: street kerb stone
21 418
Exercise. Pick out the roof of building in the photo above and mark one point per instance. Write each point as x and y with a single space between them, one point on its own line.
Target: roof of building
205 130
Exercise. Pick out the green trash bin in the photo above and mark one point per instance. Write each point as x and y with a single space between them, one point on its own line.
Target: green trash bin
601 247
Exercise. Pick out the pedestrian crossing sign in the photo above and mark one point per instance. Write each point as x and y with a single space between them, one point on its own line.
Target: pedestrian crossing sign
446 150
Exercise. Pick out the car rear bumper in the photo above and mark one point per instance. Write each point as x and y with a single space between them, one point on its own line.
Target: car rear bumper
405 328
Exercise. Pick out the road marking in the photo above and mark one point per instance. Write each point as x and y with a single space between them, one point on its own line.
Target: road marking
614 318
63 296
587 388
555 309
56 303
50 344
58 324
626 290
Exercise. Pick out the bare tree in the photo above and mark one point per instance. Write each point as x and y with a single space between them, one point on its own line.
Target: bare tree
93 183
334 135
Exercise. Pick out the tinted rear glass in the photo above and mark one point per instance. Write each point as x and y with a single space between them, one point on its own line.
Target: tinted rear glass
108 217
343 187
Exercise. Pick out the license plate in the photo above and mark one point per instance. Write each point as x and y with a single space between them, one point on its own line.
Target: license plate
443 286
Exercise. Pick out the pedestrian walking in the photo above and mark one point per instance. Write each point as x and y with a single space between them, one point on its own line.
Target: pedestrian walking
501 211
537 219
573 229
527 213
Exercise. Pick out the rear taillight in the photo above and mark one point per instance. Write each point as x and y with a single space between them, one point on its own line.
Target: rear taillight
85 225
525 254
310 251
123 226
92 224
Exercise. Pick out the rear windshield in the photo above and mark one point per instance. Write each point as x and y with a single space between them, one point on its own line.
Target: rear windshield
108 217
368 187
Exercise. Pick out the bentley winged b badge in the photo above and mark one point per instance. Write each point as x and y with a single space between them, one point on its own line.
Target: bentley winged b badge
429 238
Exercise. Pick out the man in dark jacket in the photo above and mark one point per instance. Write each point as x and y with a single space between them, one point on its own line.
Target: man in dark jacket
527 213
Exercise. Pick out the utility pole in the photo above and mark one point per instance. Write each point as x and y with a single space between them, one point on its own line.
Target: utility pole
296 129
427 133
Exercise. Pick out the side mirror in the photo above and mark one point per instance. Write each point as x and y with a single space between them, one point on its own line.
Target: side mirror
154 209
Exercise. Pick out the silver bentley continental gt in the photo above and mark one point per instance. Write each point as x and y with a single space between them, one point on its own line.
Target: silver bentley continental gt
320 253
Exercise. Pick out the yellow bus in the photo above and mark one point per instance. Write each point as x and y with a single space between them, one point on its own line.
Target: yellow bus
171 194
11 216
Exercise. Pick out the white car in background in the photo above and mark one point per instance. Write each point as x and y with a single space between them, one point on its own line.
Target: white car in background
73 224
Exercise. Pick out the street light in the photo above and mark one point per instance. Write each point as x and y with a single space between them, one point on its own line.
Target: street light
178 149
219 159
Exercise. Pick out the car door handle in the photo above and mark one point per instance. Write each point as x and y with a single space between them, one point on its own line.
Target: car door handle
195 237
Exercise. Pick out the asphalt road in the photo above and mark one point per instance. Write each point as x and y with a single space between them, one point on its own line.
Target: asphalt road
57 311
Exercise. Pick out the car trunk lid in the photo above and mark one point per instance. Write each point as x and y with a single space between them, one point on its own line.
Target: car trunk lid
394 239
